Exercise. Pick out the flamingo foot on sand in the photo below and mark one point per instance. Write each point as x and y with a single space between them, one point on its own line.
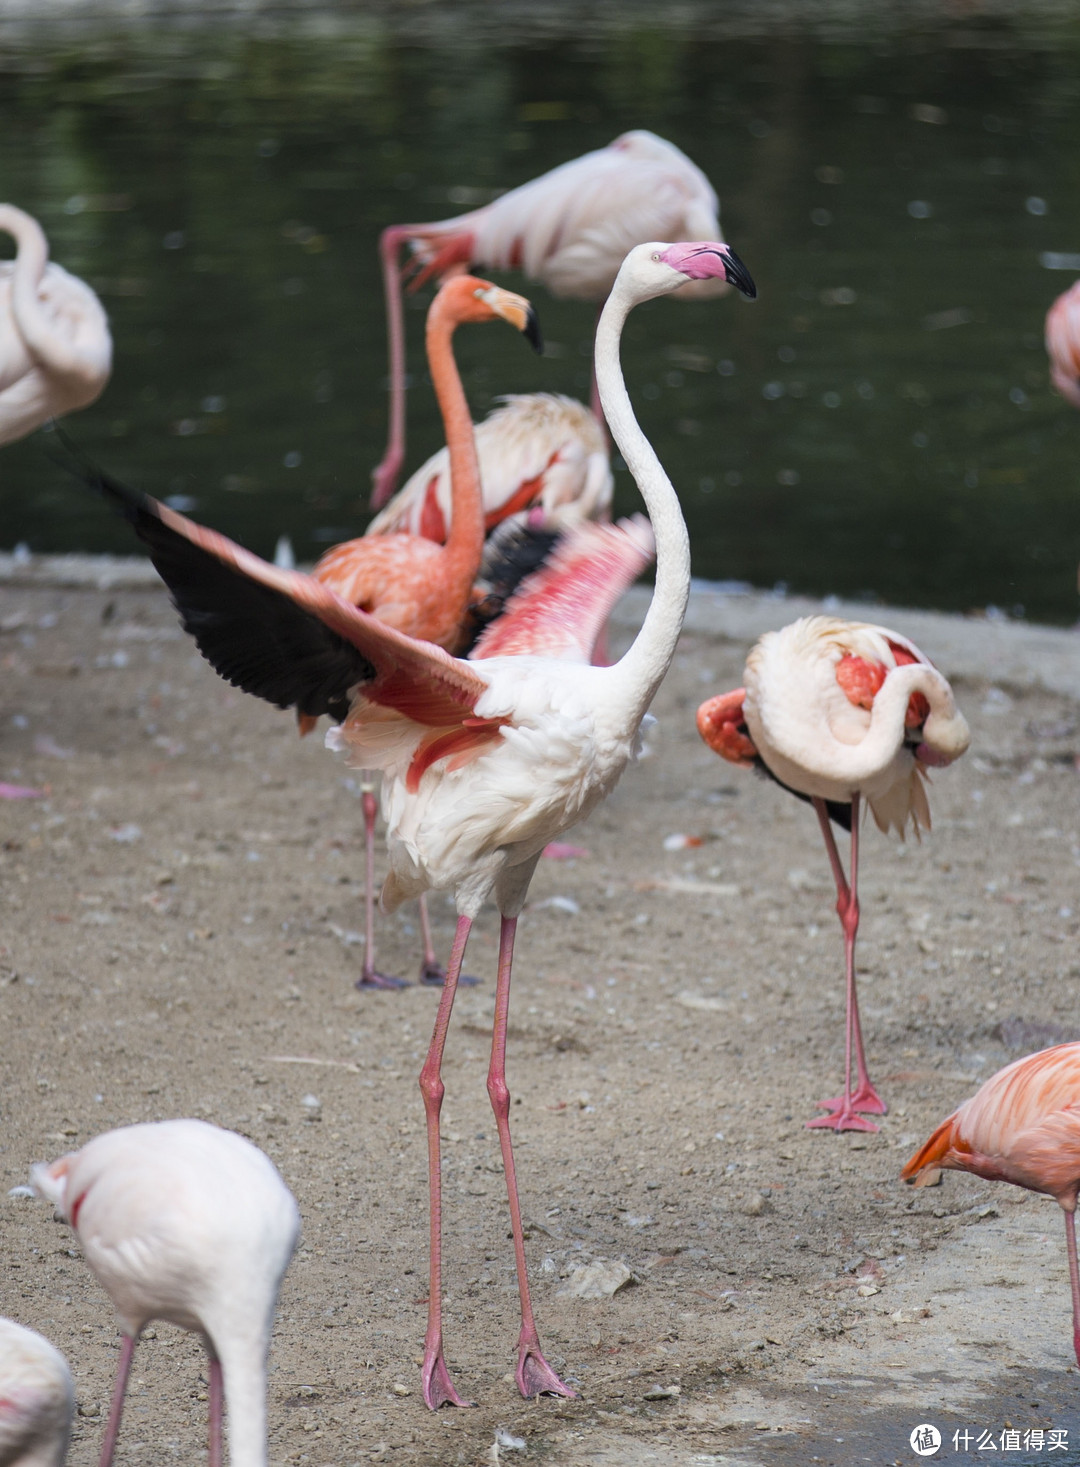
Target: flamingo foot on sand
534 1375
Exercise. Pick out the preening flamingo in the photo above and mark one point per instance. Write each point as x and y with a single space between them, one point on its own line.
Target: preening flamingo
538 452
1063 343
55 347
37 1399
484 761
414 581
1022 1126
570 229
182 1221
837 711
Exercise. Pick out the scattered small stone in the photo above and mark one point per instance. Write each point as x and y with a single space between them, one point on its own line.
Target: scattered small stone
756 1204
662 1393
598 1280
399 1388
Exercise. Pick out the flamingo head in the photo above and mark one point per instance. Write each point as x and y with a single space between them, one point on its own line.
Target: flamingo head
659 269
467 298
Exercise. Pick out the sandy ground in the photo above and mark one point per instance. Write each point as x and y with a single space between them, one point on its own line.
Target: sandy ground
179 937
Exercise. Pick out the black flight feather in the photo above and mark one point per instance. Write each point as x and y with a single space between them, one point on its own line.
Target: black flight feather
256 637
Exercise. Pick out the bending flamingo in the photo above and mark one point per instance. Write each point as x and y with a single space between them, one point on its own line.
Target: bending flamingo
1022 1126
55 347
37 1399
570 229
486 761
1063 343
838 711
181 1221
412 581
539 452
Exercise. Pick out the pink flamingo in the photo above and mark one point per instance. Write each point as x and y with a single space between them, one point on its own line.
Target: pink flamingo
569 228
1063 343
1022 1126
542 457
181 1221
415 582
37 1399
837 711
484 761
55 347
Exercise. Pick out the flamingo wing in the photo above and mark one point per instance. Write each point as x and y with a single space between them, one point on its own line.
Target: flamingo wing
282 635
561 609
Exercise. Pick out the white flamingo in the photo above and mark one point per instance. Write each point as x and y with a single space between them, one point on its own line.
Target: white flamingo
484 761
837 711
37 1399
185 1222
55 347
570 229
542 456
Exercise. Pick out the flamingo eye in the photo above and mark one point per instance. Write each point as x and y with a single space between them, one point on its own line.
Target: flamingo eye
656 258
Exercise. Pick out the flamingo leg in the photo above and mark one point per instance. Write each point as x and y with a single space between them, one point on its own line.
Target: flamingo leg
439 1389
116 1407
369 975
1074 1277
385 476
842 1109
534 1375
432 971
215 1456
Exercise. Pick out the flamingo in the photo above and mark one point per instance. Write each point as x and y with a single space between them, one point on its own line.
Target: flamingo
484 761
37 1399
542 457
182 1221
1063 343
55 347
838 711
1022 1126
408 580
570 229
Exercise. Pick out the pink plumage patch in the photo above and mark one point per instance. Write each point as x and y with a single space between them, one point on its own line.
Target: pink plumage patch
464 744
722 725
559 612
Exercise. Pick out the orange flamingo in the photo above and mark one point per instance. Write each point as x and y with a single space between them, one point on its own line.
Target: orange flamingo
409 581
1022 1126
834 711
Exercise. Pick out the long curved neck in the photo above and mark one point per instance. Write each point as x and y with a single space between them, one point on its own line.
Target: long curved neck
945 730
641 669
465 543
244 1369
44 343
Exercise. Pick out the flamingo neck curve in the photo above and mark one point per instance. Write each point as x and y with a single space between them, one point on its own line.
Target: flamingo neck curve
49 347
464 545
641 669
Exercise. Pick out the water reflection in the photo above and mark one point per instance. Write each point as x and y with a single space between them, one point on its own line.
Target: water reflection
879 421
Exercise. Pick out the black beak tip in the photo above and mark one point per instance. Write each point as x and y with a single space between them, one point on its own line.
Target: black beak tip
736 274
531 332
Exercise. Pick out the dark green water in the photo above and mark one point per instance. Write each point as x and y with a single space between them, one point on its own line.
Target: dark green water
879 421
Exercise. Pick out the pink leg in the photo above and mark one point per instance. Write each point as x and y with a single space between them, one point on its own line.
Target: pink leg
217 1398
842 1109
1074 1277
534 1375
432 971
116 1409
439 1389
385 476
369 976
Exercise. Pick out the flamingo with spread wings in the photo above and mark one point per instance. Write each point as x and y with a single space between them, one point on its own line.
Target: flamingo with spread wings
570 229
55 347
1022 1126
837 712
484 761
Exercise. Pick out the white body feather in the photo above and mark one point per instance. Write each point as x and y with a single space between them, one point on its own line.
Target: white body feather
37 1399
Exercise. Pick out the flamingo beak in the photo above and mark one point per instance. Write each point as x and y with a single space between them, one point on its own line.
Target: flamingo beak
518 311
736 274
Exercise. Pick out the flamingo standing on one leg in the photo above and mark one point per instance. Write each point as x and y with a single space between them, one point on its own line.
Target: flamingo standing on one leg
421 587
1022 1126
484 761
570 229
542 456
182 1221
55 347
37 1399
837 711
1063 343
